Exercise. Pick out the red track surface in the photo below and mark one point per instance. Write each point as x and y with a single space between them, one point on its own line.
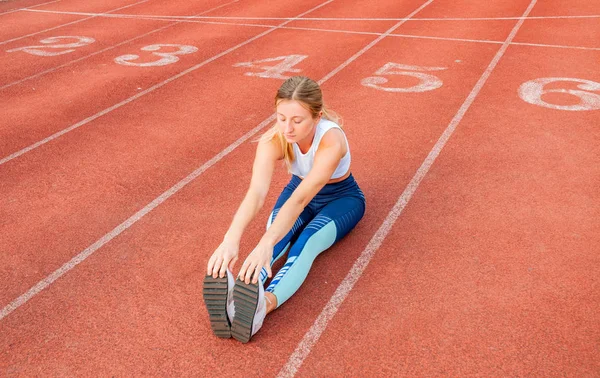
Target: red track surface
490 270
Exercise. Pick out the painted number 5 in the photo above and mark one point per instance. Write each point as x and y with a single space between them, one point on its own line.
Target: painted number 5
427 82
166 57
532 92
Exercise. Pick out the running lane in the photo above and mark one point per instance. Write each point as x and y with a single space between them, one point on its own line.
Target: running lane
494 30
252 13
60 198
17 24
91 36
492 267
584 32
104 80
560 8
12 6
340 10
135 306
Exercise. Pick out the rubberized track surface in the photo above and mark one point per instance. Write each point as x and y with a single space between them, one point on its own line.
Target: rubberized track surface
474 129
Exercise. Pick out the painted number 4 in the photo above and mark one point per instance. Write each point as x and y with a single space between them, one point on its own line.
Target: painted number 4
427 82
274 71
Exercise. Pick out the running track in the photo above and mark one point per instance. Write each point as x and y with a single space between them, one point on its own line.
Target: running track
474 131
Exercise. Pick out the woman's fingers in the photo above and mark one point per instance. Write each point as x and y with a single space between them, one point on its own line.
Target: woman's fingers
256 274
251 268
242 273
249 271
269 272
217 266
211 264
223 268
232 263
258 271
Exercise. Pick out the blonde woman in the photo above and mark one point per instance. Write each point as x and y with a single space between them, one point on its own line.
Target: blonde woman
321 204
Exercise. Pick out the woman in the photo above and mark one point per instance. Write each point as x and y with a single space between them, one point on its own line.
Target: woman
320 205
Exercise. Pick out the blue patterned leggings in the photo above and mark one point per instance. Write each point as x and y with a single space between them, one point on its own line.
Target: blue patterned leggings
331 214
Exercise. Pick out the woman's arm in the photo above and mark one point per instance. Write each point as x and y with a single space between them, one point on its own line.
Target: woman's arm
226 255
262 172
329 153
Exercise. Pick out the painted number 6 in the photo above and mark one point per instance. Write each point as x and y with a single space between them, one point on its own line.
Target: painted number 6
427 82
532 92
167 57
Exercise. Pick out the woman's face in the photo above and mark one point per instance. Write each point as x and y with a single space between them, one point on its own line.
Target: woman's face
295 122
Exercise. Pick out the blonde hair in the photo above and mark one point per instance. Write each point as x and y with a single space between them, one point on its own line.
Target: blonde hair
309 94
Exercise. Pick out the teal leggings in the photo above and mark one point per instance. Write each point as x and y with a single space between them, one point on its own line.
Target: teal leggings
331 214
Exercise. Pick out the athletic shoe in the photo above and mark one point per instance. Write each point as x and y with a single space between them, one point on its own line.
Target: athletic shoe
250 310
218 298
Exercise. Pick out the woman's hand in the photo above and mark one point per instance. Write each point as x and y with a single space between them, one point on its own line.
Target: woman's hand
259 258
224 256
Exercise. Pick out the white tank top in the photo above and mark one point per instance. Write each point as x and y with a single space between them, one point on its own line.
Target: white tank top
304 162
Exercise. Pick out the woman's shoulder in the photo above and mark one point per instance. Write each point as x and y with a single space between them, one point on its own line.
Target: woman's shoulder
270 147
326 124
330 131
333 136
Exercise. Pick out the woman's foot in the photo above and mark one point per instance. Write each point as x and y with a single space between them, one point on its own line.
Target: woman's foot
250 310
218 299
271 301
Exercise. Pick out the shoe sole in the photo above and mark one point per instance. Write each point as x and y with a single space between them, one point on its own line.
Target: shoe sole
214 292
245 297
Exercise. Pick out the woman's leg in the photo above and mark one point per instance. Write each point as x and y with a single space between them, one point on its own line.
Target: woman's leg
281 248
333 222
251 303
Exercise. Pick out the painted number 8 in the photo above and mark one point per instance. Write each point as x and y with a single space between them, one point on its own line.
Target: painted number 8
532 92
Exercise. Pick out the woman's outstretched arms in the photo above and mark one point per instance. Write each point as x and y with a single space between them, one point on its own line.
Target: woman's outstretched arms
329 153
226 254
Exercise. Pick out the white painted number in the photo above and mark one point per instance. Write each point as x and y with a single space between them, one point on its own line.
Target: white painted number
167 57
274 71
53 43
427 82
532 92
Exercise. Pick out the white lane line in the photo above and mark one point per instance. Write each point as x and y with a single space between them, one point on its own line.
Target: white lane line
314 333
33 6
24 298
397 35
69 23
555 46
145 92
43 284
388 32
495 42
325 18
107 49
391 35
377 33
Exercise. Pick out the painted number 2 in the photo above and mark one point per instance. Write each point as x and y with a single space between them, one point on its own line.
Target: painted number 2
532 92
52 44
427 82
166 57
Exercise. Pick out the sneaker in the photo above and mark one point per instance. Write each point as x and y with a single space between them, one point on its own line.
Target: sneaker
218 298
250 310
